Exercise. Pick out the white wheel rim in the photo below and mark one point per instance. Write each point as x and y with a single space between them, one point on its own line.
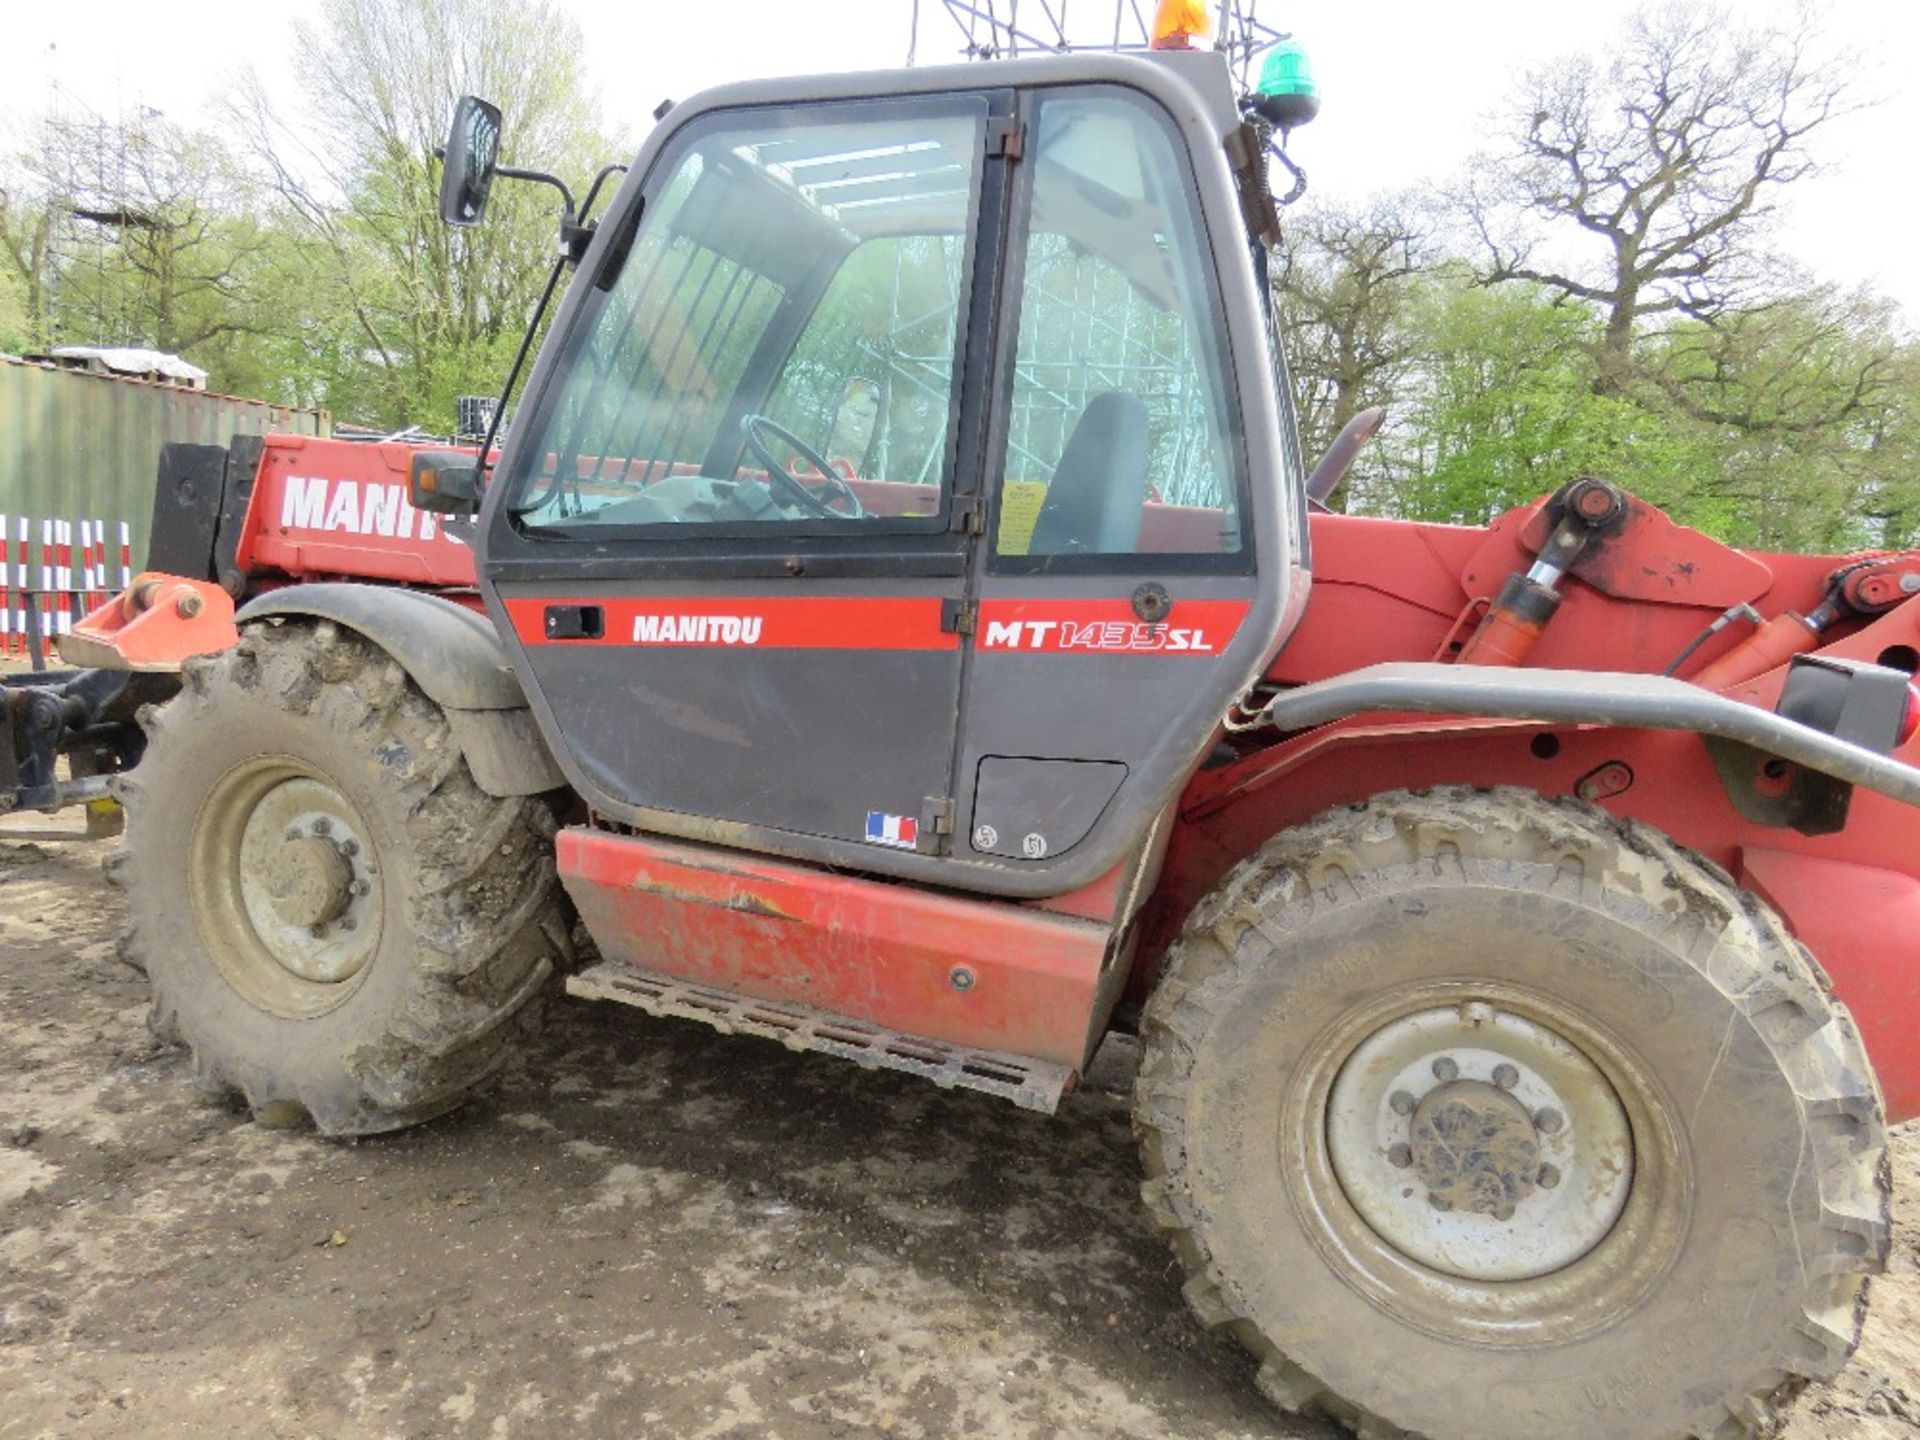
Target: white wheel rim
1479 1143
286 885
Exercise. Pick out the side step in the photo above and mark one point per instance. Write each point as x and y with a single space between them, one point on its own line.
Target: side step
1030 1084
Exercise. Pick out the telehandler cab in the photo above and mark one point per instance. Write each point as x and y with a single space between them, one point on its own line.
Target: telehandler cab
894 637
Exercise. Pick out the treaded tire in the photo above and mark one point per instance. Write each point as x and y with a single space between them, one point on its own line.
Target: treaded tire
1760 1138
470 925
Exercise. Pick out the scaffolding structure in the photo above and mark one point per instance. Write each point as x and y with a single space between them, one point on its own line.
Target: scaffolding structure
1008 29
97 192
1089 331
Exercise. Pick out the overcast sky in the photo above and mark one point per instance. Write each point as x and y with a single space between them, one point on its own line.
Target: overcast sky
1407 84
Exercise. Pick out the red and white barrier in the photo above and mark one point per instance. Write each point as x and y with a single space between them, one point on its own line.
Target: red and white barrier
77 569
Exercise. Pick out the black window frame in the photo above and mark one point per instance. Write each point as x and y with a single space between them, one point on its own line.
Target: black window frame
752 548
1292 456
1243 561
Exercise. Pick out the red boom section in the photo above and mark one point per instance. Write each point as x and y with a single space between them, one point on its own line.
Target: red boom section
336 509
1386 590
973 973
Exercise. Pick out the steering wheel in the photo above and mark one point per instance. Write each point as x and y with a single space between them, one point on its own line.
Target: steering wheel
791 490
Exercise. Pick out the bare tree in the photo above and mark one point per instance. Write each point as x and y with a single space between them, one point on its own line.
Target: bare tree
1639 187
1344 289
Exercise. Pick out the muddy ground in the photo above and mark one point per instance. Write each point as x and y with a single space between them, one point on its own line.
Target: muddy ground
648 1230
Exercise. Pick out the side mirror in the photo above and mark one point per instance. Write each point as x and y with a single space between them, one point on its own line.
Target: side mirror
472 153
446 482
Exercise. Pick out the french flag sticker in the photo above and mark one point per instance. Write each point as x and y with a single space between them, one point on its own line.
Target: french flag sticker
900 831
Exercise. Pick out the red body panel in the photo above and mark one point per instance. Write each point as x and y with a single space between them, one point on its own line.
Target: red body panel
862 948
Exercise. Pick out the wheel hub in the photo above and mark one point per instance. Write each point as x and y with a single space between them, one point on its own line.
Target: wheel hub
1475 1148
306 880
286 869
1479 1143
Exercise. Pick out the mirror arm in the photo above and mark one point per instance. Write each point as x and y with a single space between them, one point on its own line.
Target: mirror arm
542 178
484 463
593 190
576 235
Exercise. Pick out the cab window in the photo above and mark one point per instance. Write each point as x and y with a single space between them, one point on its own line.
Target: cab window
778 348
1121 436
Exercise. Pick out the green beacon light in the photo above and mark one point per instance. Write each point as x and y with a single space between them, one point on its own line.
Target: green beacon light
1286 94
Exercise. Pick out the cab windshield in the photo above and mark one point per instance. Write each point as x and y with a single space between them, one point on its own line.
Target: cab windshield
783 331
782 345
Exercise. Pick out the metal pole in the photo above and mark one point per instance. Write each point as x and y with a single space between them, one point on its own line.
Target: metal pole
36 647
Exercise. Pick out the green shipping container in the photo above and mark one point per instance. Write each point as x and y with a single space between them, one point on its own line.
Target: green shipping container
77 446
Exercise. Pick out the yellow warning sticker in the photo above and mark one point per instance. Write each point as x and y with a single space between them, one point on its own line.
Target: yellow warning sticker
1020 502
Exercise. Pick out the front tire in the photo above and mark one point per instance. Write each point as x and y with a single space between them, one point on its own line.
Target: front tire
334 918
1480 1116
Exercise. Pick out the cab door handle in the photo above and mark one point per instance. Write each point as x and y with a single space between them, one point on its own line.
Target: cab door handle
575 622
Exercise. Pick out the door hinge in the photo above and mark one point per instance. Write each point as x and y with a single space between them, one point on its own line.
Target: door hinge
969 515
1006 139
957 617
936 824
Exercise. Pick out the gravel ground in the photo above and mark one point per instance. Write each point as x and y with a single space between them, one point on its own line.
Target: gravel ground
649 1229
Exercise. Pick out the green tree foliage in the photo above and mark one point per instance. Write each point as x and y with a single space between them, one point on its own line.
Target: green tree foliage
297 254
24 221
1641 187
1602 298
139 233
403 314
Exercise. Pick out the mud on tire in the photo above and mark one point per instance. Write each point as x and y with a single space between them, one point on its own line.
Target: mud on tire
1734 1271
441 920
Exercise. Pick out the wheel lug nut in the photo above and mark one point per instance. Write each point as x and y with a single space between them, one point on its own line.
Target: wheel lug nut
1548 1120
359 887
322 825
1400 1156
293 832
320 931
1446 1068
349 847
1549 1177
1439 1203
347 922
1505 1076
1400 1102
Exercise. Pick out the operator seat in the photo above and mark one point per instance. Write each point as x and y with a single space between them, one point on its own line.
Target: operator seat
1098 494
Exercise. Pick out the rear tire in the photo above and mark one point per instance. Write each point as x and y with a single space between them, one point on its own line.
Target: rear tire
1673 1180
334 918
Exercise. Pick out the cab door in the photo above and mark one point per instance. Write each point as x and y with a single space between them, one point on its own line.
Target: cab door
723 540
1132 587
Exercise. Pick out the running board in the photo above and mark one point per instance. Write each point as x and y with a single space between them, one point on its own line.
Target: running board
1030 1084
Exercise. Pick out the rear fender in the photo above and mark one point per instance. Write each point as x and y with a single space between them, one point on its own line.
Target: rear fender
454 657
